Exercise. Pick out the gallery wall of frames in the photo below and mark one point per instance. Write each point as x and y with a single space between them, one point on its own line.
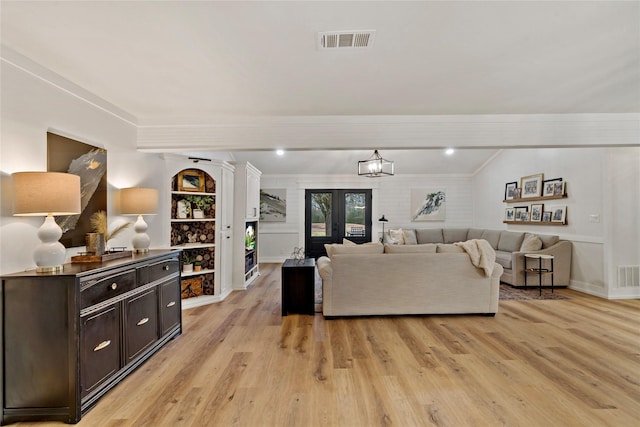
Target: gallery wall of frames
528 197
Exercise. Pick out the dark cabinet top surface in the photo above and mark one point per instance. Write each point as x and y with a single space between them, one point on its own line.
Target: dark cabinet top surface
80 269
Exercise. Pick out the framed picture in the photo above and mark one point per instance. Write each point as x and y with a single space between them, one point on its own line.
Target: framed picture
549 186
536 213
517 193
546 216
531 185
558 188
520 211
525 216
191 180
558 213
428 204
273 205
509 214
508 190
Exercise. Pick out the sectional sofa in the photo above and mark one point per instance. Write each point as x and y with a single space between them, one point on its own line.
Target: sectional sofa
510 247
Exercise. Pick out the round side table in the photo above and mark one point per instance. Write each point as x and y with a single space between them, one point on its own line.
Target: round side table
538 269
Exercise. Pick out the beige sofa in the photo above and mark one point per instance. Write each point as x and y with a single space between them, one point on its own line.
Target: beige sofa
510 247
370 282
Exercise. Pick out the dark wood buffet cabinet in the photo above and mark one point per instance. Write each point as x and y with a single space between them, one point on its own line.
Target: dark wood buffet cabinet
69 337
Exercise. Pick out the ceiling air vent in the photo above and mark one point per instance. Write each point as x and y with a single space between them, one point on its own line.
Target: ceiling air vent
345 39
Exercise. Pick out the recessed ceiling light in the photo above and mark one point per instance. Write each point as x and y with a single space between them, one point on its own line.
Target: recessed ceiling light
280 152
449 151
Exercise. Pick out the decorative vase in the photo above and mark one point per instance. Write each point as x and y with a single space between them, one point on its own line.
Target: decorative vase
187 268
95 243
198 214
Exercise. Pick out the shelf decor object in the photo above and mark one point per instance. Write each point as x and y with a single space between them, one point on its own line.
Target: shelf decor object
375 166
139 201
47 194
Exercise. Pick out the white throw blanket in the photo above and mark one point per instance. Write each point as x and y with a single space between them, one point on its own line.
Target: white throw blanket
481 253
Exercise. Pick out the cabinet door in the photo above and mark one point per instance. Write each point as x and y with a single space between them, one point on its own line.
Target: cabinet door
100 347
141 323
253 196
169 306
224 251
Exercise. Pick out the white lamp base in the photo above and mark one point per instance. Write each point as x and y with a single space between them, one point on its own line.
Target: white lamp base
50 253
141 240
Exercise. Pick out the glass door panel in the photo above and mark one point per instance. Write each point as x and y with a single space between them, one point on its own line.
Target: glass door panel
321 206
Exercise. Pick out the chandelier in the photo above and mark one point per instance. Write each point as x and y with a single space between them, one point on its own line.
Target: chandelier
375 166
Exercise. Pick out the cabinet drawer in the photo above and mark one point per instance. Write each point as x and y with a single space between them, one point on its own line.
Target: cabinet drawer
99 347
104 288
141 323
170 308
162 269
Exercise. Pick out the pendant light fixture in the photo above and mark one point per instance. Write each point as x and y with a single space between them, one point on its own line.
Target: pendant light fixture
375 166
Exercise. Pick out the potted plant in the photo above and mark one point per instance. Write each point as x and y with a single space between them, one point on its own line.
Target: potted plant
187 262
202 203
197 266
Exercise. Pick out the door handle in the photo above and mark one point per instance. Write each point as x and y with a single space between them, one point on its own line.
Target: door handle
142 321
102 345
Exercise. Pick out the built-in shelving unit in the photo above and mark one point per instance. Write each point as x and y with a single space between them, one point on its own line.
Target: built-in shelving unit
247 214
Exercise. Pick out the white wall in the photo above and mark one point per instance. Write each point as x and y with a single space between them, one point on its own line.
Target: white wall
390 196
600 181
31 106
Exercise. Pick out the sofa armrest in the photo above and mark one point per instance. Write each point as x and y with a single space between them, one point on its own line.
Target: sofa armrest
561 252
324 268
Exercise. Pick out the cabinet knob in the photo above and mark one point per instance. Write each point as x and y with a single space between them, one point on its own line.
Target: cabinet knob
171 304
142 321
114 286
165 268
102 345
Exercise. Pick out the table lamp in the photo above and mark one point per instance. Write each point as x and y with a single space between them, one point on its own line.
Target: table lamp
382 219
139 201
47 194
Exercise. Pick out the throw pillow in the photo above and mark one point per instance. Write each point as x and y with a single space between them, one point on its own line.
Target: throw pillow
348 242
396 236
409 237
530 243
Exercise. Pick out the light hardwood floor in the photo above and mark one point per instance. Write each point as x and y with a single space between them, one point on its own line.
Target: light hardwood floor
546 363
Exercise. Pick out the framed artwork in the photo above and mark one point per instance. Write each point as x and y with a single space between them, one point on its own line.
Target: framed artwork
517 193
536 212
191 180
531 186
273 205
509 214
546 216
558 213
558 188
525 216
520 211
428 205
90 163
508 190
549 185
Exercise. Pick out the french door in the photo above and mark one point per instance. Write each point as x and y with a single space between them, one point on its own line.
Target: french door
331 215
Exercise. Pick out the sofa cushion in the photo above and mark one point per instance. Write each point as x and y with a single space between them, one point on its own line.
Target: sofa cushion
453 235
396 237
548 240
530 243
504 259
425 248
409 235
447 248
429 235
475 233
491 236
368 248
510 241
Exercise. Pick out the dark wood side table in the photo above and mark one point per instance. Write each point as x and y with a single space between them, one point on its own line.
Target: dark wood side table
298 282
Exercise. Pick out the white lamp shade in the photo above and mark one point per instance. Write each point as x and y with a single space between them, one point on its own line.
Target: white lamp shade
45 193
138 201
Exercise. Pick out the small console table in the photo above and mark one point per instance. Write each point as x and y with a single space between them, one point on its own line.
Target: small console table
538 268
298 282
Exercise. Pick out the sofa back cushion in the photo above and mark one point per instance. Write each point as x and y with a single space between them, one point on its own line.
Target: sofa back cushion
453 235
491 236
426 248
475 233
510 241
548 240
368 248
429 235
446 248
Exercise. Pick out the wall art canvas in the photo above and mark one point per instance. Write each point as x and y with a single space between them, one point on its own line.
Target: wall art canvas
90 163
273 205
428 205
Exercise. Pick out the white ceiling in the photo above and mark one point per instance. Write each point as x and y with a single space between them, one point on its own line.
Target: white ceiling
176 63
